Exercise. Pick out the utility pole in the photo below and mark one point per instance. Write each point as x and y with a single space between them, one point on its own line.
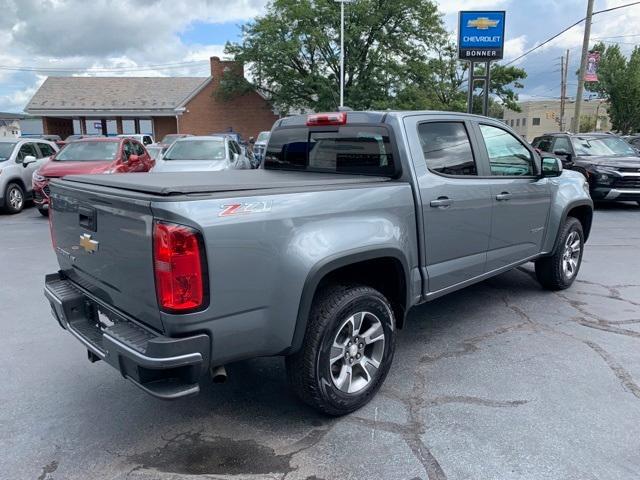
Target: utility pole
583 66
342 2
564 70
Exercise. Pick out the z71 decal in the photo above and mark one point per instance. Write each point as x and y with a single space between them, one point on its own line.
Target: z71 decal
244 208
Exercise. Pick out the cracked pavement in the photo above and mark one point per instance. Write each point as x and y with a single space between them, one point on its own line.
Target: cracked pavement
499 381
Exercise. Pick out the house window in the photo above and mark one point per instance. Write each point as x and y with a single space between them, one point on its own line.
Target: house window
524 122
536 122
517 122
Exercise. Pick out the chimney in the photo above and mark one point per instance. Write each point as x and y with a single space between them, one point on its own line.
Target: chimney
220 67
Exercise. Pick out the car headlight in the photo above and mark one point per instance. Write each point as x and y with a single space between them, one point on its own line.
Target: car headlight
36 177
603 176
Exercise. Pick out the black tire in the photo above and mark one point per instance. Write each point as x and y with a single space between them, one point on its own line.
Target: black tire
550 270
9 200
44 212
310 371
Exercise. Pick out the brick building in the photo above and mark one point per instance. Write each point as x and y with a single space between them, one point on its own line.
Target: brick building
114 105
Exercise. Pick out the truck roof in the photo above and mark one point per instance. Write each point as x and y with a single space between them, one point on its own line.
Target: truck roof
373 117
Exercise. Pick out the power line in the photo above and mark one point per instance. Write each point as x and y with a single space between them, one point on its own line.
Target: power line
142 68
567 29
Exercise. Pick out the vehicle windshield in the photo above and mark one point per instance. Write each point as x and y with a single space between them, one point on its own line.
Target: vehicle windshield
196 150
5 150
169 139
263 137
88 152
602 146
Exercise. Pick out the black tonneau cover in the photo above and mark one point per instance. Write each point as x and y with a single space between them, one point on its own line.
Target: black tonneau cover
179 183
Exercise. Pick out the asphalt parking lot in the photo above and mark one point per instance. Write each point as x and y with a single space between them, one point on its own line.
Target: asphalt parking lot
500 381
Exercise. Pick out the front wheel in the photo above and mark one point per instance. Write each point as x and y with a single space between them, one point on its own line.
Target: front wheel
559 271
14 198
347 349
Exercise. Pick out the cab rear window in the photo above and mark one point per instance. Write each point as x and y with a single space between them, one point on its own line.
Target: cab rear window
362 150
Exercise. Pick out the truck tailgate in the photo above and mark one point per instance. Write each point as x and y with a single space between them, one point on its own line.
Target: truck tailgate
104 244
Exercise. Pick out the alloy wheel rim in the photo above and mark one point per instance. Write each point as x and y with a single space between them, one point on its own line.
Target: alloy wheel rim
571 255
356 352
15 198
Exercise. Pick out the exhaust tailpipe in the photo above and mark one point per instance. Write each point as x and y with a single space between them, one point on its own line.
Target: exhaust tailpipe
219 374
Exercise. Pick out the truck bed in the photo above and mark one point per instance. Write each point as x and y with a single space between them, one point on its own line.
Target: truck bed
167 184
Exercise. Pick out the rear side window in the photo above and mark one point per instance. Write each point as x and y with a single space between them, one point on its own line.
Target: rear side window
46 150
364 150
447 149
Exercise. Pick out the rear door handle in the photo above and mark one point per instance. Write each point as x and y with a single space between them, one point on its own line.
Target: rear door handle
504 196
441 202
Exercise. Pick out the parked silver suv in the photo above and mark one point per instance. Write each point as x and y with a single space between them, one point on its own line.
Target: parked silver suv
19 158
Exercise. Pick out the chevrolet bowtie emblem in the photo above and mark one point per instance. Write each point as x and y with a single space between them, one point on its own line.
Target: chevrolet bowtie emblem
482 23
89 245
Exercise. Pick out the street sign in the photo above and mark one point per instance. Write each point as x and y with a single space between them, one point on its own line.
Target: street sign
97 125
481 36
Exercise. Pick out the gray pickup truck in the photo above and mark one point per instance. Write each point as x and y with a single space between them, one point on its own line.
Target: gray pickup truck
353 219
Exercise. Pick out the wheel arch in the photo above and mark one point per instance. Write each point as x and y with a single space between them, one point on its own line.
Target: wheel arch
583 212
392 279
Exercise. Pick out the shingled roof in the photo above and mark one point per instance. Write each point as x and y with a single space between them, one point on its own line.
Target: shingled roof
114 93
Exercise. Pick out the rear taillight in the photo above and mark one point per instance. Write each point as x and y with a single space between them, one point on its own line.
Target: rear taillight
178 267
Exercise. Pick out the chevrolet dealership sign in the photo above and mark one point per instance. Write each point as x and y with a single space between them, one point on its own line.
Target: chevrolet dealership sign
481 36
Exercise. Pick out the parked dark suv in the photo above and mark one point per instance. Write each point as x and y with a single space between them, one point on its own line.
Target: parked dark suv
611 165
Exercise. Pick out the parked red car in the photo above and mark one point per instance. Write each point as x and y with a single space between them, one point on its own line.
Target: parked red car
88 156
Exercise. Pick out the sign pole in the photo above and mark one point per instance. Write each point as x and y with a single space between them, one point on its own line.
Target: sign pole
472 80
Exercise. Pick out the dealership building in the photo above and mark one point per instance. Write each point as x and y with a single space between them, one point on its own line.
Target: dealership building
157 105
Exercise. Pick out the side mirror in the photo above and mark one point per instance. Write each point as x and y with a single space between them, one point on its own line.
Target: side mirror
28 160
566 156
551 167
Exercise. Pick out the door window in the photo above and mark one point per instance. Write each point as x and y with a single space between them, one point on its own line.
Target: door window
26 150
46 150
146 140
507 155
138 149
544 144
127 149
447 149
561 145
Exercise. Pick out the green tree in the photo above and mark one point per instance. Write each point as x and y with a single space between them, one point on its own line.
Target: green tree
398 55
619 83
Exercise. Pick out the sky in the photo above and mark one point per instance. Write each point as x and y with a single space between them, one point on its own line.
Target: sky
176 37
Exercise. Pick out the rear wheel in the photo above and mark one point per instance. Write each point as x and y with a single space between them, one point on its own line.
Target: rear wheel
14 198
561 269
347 350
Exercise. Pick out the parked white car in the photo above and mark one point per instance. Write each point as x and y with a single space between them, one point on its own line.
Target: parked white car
143 138
19 159
207 153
